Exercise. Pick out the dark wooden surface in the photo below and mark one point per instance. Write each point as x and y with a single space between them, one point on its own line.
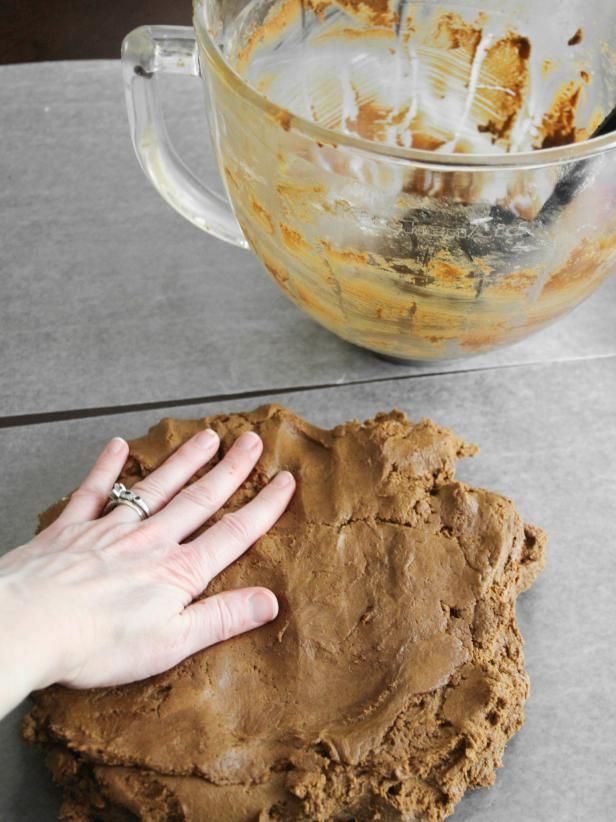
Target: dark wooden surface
31 30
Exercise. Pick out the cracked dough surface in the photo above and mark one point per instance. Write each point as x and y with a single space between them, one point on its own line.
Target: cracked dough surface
390 681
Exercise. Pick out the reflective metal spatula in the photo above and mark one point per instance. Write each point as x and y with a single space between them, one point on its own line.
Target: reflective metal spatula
572 180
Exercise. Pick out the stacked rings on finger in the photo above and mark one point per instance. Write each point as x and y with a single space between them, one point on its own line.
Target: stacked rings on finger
121 495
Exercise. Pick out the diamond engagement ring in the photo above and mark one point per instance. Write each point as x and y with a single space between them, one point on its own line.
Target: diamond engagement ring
121 495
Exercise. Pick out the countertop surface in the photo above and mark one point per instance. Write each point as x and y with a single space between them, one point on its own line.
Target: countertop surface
114 312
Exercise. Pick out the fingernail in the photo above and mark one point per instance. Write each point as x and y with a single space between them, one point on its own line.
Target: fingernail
247 441
263 607
205 439
282 479
116 445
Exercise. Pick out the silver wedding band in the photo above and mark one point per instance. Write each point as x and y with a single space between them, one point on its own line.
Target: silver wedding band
121 495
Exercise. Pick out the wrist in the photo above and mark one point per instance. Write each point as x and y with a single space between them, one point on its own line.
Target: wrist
25 662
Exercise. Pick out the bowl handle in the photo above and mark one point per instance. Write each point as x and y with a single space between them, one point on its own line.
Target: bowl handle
147 52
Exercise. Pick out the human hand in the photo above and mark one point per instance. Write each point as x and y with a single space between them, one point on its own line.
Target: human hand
103 600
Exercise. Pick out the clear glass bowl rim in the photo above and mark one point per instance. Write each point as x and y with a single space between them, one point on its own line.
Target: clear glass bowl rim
559 155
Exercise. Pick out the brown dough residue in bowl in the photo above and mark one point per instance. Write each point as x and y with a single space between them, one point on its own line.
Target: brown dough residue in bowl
448 45
390 681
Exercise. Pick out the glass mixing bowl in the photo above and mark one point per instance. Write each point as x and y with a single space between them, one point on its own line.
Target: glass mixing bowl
400 169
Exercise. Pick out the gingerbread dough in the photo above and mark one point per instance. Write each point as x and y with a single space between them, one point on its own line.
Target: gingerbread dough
390 681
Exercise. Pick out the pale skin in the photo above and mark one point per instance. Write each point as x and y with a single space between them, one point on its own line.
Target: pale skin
104 600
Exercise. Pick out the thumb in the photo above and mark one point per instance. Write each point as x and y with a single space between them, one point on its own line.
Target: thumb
227 614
